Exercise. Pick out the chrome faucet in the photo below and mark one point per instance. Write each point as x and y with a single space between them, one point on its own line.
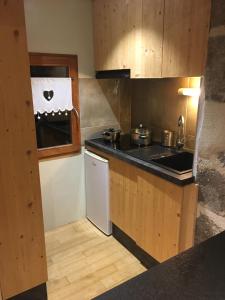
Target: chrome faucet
180 135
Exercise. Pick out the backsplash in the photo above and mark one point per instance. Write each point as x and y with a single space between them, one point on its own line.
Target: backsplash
127 103
104 103
156 104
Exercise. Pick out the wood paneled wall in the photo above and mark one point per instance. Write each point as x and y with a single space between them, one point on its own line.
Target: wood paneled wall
22 246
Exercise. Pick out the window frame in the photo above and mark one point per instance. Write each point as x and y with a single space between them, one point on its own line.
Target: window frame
71 62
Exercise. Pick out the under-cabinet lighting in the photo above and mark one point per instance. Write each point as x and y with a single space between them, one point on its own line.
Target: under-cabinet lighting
192 92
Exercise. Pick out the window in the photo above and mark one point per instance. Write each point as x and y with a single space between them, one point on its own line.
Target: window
57 133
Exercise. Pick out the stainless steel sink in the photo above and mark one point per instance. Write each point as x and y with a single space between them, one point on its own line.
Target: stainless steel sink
179 163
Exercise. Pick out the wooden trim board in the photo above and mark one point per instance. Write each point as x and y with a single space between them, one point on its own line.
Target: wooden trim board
189 214
22 244
37 293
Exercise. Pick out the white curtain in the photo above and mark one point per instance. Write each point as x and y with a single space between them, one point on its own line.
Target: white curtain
51 95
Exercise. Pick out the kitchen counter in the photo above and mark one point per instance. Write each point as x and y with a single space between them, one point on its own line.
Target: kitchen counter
121 151
198 273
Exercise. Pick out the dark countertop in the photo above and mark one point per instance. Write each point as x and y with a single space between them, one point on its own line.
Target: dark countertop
122 152
198 273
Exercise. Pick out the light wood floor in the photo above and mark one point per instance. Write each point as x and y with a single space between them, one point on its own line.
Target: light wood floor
83 262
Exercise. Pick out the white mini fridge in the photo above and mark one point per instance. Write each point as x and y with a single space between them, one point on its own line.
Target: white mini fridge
97 191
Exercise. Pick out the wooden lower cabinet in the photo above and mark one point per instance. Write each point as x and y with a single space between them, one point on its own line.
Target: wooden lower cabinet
157 214
123 196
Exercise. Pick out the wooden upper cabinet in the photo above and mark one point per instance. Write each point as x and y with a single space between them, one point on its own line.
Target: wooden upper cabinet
110 34
128 34
152 38
149 41
186 27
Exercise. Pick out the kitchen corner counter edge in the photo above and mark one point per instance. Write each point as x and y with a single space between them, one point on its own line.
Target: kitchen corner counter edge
180 180
197 273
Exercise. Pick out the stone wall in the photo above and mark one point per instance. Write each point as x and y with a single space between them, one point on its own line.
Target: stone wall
211 132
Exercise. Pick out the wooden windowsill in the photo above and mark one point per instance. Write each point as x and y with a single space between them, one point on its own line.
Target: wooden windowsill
53 152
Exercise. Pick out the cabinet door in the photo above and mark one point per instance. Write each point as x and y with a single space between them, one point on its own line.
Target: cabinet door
159 212
111 34
128 34
148 41
186 26
123 196
100 24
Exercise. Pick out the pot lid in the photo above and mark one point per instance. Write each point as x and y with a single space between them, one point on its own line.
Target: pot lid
111 130
141 129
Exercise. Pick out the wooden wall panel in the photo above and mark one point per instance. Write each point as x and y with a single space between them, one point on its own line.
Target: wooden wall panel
22 246
186 26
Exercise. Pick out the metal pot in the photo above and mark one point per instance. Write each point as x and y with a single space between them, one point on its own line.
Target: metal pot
167 138
141 136
111 135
